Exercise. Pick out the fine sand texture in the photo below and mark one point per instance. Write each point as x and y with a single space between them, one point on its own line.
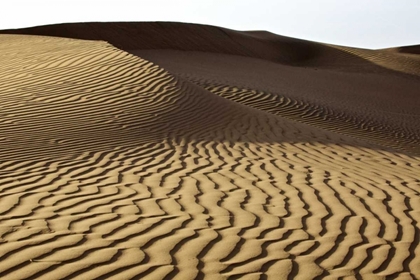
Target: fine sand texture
181 151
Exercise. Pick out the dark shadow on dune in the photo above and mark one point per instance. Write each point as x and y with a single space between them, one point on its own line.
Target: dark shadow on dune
204 38
187 37
414 49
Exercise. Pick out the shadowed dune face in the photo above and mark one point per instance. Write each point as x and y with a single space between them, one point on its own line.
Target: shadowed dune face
155 35
414 50
113 168
204 38
382 108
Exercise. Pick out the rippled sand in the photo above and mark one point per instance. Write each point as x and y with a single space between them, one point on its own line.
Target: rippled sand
256 156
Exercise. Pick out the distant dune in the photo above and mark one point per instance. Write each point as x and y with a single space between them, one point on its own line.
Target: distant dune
406 50
183 151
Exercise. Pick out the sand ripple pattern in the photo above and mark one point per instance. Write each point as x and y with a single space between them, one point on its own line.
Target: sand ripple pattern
362 127
113 169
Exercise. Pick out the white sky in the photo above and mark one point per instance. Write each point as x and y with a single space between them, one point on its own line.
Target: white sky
358 23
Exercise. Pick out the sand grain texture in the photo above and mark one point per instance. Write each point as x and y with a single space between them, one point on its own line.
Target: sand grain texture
114 168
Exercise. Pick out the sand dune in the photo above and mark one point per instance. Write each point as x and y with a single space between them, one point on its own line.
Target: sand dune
361 104
256 156
204 38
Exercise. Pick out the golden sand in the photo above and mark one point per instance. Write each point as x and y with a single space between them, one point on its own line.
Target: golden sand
230 165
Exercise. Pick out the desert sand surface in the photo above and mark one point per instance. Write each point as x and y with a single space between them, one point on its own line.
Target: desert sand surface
182 151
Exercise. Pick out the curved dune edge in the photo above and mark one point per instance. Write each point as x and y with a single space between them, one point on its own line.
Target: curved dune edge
113 168
256 44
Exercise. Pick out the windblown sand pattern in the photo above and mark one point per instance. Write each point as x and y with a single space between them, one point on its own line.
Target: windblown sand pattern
113 168
318 116
380 108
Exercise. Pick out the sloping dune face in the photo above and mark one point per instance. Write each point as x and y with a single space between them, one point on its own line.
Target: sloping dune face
113 168
362 93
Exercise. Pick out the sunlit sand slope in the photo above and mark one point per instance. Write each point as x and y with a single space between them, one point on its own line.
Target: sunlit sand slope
113 168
